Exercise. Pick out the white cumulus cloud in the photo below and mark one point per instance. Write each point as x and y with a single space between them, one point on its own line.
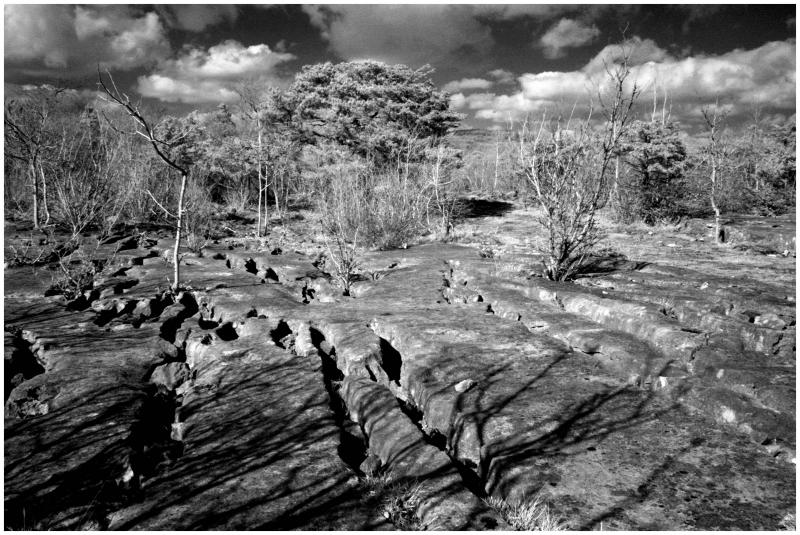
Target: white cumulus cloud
566 33
198 75
467 84
410 34
738 78
502 76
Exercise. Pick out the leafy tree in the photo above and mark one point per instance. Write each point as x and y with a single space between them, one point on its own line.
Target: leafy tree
219 124
755 169
765 157
656 156
782 158
222 165
370 107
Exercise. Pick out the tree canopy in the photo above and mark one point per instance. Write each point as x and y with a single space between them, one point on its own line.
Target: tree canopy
656 154
370 107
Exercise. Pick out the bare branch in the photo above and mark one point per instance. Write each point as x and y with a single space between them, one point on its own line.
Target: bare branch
170 214
133 111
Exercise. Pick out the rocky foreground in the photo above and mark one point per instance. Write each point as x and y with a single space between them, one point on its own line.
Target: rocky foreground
646 396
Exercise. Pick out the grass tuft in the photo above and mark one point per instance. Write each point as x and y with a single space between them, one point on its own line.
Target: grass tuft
399 500
789 522
527 515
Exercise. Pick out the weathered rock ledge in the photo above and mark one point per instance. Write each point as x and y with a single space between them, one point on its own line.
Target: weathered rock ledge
260 398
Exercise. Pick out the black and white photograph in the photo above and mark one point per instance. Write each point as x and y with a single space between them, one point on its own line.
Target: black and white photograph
381 267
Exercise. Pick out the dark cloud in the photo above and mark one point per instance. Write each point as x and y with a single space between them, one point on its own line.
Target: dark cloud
497 60
197 17
409 34
62 40
567 33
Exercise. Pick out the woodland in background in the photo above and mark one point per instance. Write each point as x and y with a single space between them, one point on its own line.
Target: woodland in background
374 150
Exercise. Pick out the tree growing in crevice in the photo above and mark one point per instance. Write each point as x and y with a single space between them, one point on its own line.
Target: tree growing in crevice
716 153
569 167
343 213
176 142
439 189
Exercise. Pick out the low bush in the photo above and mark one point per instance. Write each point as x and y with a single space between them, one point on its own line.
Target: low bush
74 274
197 219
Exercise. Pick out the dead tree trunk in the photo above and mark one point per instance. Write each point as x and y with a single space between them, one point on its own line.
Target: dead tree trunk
714 119
276 190
44 197
719 237
260 181
265 197
178 232
35 178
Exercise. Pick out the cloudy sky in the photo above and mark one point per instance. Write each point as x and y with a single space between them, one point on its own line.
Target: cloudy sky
497 61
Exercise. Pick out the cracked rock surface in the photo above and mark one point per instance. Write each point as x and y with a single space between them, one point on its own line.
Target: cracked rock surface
646 396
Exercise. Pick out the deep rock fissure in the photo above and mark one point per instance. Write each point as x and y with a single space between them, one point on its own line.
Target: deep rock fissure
169 328
152 439
347 450
23 364
393 358
391 361
226 332
271 275
150 445
155 439
282 335
432 436
352 448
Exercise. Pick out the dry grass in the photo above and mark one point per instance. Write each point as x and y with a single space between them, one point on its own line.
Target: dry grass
399 500
528 514
789 522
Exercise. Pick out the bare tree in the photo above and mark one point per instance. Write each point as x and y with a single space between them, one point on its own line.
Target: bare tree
569 168
440 161
161 146
715 153
561 166
86 180
251 98
27 122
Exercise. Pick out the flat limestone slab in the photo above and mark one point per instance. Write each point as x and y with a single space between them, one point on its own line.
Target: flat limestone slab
260 452
541 417
447 359
71 431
